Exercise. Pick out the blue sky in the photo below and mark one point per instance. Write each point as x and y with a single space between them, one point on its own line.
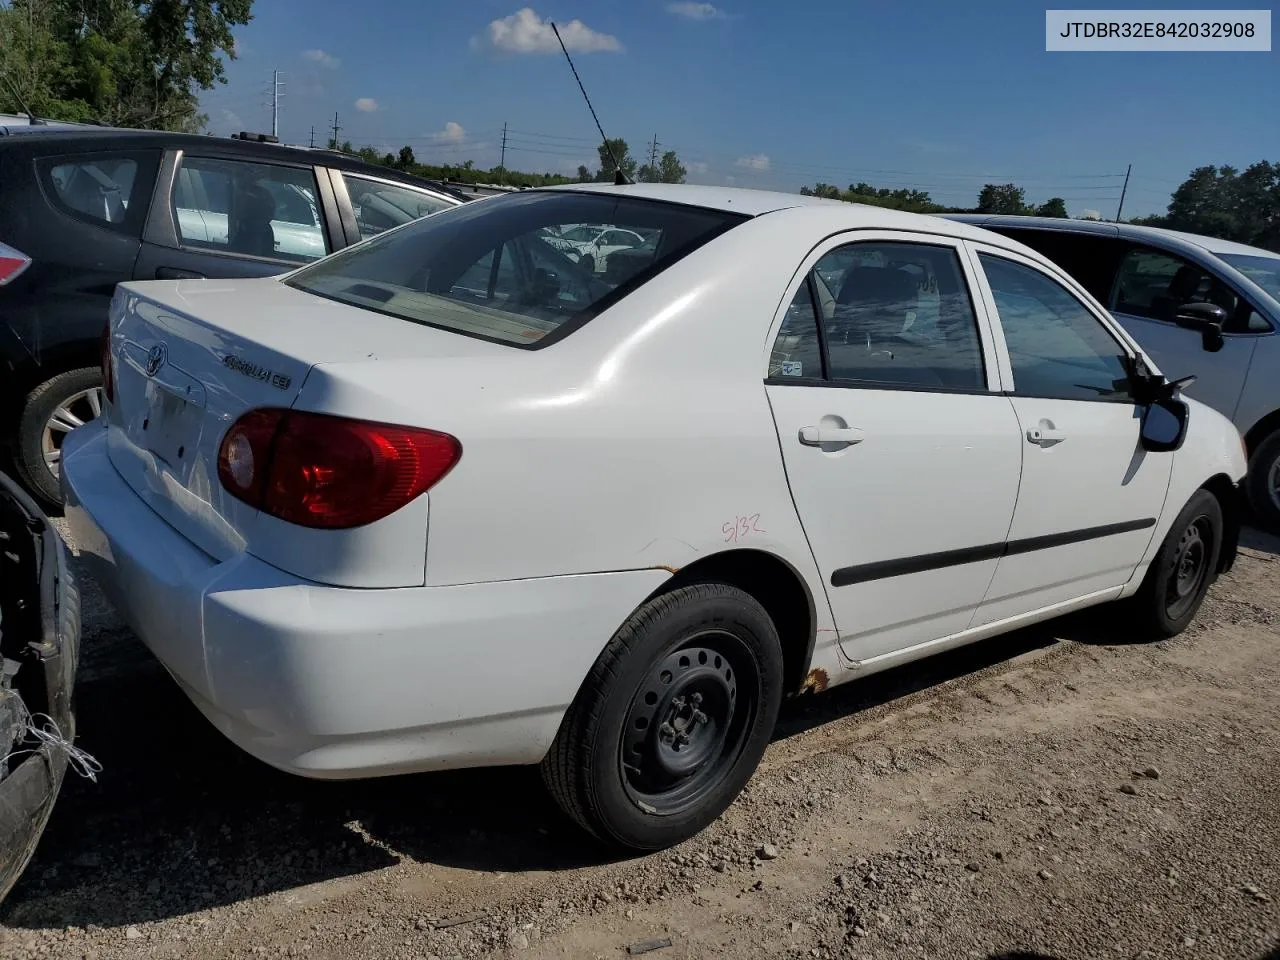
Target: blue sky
942 96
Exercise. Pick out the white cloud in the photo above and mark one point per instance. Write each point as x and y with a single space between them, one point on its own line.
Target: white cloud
1091 214
730 180
697 166
452 133
367 105
756 163
327 60
696 11
232 120
526 32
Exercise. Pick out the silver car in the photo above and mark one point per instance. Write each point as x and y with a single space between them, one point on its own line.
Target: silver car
1198 305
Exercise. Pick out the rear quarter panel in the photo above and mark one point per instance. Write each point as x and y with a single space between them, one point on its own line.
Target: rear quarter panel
643 440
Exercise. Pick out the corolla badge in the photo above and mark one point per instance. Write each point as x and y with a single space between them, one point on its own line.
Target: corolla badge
156 357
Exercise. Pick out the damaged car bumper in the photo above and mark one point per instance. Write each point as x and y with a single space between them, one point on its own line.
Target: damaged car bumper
39 640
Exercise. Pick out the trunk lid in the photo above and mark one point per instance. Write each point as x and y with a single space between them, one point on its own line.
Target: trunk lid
191 356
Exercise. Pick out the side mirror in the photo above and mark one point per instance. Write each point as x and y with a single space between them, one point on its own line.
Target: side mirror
1164 425
1208 319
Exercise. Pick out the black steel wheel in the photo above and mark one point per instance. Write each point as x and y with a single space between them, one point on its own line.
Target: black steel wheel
672 720
687 724
1189 567
1182 571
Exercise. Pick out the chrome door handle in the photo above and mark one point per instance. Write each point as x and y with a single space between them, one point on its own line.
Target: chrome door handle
817 436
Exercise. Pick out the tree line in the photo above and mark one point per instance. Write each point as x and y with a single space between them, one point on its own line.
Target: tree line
126 63
1221 202
997 198
1227 203
666 168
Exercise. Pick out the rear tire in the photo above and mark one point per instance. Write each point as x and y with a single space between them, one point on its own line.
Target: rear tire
1182 571
1263 482
58 403
672 720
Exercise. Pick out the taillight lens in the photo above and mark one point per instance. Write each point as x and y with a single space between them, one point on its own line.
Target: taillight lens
108 374
12 263
329 472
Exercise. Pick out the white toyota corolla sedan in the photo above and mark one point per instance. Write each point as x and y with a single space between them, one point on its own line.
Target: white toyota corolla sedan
446 499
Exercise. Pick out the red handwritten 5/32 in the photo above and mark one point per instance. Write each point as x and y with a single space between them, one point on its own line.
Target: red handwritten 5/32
739 528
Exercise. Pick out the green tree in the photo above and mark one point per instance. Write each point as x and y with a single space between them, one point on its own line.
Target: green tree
406 159
120 62
609 151
584 175
1003 198
1053 207
670 169
1223 202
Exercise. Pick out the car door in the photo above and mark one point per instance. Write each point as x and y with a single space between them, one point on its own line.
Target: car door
1090 495
1150 286
229 216
78 214
369 205
901 452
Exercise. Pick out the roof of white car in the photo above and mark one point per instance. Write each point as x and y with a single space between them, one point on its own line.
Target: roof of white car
754 203
1131 231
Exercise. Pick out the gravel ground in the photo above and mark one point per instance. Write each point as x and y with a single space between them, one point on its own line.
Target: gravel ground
1057 793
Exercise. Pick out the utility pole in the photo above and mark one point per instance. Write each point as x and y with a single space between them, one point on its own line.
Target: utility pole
313 136
502 164
336 128
1123 191
275 103
653 158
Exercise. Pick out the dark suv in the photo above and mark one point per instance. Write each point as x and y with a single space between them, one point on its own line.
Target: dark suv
82 210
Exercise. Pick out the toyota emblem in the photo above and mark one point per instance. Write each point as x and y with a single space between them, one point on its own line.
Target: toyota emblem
155 358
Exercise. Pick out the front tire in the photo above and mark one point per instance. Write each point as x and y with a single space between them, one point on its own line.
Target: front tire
1263 482
49 413
672 720
1182 572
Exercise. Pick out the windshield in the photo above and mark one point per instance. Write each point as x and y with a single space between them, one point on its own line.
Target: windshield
1264 271
501 270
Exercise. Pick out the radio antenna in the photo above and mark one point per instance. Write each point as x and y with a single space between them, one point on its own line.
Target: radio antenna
619 178
32 119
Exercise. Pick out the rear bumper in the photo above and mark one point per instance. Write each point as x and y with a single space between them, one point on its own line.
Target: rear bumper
335 682
46 679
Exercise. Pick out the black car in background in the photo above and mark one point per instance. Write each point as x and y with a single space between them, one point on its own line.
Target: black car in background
84 209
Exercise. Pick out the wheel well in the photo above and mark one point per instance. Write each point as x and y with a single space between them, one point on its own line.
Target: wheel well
777 587
1229 497
1261 430
26 376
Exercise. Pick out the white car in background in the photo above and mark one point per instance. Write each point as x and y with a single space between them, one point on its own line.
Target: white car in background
592 244
447 499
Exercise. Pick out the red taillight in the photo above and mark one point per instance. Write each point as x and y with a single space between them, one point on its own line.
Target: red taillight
322 471
104 354
12 263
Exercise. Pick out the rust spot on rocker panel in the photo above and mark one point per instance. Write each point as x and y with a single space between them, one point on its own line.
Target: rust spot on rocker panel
816 681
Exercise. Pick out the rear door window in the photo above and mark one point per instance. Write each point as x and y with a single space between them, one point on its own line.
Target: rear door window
107 189
250 209
379 205
509 269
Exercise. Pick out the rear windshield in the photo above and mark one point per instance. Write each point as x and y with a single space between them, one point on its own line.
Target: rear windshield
523 269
